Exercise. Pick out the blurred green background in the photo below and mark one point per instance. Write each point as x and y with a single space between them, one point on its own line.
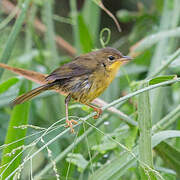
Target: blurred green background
41 35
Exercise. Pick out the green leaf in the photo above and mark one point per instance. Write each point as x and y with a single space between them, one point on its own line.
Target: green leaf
130 140
115 168
145 124
163 135
170 155
160 79
84 35
19 117
78 160
7 84
92 19
119 165
106 146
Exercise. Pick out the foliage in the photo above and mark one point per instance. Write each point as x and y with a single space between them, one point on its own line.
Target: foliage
137 139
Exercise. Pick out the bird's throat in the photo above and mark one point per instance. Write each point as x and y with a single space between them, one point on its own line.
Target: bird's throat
113 69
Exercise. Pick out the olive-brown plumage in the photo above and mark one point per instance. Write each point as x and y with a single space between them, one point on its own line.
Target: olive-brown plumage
83 79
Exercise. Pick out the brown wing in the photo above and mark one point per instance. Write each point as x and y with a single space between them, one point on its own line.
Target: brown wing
80 66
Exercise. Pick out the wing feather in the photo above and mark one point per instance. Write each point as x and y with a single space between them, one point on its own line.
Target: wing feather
78 67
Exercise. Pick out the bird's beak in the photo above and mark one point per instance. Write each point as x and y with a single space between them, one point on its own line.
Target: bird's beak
125 59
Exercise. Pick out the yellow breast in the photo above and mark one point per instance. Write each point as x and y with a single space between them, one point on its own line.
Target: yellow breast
101 80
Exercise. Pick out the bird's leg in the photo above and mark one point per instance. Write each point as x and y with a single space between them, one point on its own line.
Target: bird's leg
98 110
69 123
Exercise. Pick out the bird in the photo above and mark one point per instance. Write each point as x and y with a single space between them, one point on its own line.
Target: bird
83 79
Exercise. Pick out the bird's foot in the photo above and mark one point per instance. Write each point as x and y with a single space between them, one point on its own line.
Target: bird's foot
70 123
99 112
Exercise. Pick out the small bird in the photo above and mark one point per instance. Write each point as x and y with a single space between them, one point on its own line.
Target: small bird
82 79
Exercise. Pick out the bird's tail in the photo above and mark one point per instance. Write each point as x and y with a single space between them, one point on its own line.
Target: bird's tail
29 95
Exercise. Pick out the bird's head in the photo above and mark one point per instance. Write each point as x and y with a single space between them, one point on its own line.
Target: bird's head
111 58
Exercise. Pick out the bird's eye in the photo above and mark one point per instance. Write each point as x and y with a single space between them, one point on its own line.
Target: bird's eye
111 58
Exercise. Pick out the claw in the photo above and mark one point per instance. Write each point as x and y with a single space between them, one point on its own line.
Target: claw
96 109
70 124
99 112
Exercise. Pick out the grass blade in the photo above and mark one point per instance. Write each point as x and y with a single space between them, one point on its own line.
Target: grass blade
170 155
116 168
84 35
163 49
149 41
160 79
7 84
119 166
68 149
14 33
144 121
167 120
163 135
50 34
165 64
74 15
19 117
140 91
5 22
92 19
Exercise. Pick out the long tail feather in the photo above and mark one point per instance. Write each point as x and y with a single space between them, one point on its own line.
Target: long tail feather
29 95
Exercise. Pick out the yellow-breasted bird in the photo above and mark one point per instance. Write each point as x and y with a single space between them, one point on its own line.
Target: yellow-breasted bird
82 79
